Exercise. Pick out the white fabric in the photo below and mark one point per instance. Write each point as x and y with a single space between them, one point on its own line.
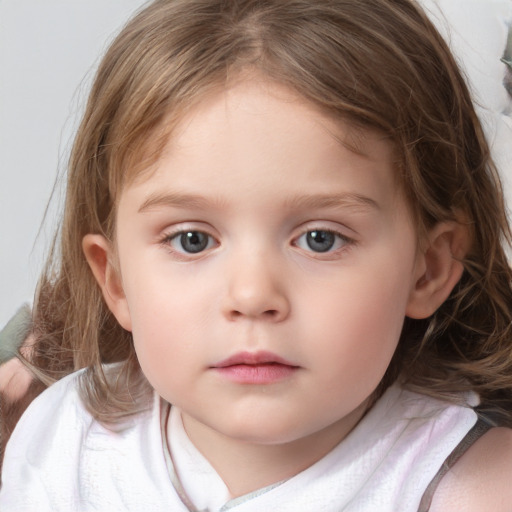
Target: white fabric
201 483
60 460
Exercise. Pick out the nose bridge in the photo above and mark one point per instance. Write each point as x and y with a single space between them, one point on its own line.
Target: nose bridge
256 284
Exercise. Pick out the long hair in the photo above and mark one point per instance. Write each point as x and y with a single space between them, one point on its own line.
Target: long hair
375 63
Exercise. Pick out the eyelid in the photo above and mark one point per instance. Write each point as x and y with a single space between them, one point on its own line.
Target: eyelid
337 228
186 226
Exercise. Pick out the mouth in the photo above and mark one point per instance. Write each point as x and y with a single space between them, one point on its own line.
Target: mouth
255 368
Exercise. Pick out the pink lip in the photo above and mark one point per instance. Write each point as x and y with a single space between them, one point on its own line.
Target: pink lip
255 368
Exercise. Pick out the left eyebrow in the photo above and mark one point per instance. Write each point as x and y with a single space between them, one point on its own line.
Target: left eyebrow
345 200
177 200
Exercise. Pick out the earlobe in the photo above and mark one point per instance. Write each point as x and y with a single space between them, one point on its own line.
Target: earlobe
440 268
100 257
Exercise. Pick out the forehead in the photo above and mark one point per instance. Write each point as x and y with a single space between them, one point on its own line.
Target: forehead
258 130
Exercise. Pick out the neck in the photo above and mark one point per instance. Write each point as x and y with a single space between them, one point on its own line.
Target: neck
246 466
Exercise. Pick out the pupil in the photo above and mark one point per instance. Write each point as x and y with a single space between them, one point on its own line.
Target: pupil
194 241
320 241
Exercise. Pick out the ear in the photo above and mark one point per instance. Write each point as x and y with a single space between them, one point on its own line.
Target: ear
101 258
439 268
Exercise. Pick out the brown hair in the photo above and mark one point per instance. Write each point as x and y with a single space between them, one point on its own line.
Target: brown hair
378 63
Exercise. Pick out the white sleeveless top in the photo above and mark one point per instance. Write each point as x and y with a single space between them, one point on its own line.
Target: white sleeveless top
60 459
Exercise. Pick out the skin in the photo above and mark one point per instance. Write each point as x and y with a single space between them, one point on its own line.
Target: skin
480 481
15 379
255 168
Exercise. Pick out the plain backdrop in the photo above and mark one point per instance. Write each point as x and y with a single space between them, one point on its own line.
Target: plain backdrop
48 52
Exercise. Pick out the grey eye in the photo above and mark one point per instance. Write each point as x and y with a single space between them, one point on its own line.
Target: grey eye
320 241
191 241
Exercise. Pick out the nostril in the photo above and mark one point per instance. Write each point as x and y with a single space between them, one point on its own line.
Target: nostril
270 314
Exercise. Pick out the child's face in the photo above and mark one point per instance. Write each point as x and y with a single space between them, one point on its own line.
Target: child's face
266 269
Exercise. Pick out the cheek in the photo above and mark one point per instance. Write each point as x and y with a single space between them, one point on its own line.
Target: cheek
169 321
164 355
358 325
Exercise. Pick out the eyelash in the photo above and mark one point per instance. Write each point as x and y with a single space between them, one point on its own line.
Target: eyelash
340 239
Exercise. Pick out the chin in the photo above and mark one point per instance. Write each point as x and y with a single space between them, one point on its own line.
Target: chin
263 431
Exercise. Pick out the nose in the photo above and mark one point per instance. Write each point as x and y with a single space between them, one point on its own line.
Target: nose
255 291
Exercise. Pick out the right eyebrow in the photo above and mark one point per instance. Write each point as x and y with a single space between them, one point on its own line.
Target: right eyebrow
178 200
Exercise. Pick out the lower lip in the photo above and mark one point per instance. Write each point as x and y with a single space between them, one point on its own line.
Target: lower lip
266 373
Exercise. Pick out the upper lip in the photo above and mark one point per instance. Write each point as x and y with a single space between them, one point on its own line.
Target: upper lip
252 358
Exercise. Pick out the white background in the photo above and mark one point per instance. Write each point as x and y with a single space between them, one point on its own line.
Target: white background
48 53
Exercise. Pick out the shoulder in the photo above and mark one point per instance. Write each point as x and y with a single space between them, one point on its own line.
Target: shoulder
44 448
59 453
481 480
55 413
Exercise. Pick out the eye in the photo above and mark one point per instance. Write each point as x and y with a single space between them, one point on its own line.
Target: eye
191 242
321 240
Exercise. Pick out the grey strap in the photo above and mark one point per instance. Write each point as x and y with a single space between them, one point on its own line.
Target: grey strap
479 429
165 408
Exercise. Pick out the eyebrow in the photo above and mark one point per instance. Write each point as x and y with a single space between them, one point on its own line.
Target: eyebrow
178 200
342 200
302 202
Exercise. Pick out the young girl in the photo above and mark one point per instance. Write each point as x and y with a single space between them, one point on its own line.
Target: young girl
283 220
